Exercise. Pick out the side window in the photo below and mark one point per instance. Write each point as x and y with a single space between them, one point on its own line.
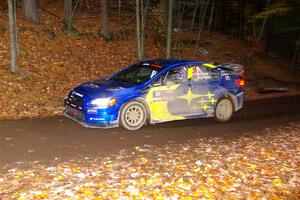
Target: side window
144 74
199 73
215 74
176 75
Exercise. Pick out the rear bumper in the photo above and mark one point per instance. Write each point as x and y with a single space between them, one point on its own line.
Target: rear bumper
240 101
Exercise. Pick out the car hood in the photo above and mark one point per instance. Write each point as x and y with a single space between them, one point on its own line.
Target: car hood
103 88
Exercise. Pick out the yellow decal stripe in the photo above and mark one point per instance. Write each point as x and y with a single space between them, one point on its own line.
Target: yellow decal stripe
190 73
209 65
159 109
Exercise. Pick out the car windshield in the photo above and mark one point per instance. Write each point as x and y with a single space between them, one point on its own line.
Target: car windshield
137 74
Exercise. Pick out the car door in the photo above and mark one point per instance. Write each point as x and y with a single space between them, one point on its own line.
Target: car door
204 84
164 95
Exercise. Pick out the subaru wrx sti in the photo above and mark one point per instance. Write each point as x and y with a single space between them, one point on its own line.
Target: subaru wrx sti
155 91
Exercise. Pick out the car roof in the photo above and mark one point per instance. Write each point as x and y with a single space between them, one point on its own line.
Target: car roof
164 63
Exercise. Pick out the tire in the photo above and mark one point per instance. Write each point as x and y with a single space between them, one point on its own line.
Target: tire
223 110
133 115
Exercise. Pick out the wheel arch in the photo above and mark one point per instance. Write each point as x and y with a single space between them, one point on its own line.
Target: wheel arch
232 98
140 100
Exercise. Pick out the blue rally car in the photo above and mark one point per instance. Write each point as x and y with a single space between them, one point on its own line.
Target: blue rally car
156 91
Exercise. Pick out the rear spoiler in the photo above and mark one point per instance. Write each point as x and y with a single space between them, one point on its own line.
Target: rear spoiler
231 68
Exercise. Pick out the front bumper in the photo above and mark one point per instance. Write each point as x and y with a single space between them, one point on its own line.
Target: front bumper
90 121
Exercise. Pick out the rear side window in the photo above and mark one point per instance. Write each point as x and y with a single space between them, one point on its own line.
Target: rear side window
201 73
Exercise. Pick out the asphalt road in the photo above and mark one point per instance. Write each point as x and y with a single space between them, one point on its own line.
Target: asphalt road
59 138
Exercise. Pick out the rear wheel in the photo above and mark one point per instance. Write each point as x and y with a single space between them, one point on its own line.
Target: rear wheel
133 115
224 109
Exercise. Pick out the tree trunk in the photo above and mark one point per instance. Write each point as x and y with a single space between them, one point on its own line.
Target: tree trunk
142 34
240 29
104 19
30 11
169 33
194 15
119 10
2 4
226 19
15 28
216 19
164 8
68 14
254 29
211 15
138 30
144 19
13 35
200 29
1 30
262 30
178 35
295 58
264 23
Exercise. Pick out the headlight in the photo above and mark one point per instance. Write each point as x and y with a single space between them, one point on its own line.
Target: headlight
104 102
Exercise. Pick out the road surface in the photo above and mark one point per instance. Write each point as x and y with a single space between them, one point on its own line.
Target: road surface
59 138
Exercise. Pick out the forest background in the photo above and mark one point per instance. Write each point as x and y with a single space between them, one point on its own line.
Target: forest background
48 46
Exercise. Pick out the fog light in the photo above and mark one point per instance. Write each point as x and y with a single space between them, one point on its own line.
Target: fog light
91 111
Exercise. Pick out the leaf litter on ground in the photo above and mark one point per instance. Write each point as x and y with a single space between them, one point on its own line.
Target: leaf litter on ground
263 165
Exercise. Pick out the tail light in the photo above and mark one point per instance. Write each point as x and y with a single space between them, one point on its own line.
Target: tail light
240 82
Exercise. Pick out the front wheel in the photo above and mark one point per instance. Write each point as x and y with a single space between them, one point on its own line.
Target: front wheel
224 109
133 116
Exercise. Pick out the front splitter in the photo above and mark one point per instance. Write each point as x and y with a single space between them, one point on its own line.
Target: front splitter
100 125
